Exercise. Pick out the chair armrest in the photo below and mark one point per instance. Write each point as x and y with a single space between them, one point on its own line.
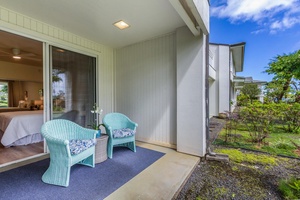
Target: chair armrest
108 130
132 125
58 146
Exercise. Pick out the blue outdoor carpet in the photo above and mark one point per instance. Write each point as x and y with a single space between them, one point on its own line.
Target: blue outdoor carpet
25 183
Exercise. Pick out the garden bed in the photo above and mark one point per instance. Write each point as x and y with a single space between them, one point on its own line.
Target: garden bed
240 178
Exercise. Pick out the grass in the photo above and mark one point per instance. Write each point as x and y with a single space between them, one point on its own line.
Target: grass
3 104
278 141
251 158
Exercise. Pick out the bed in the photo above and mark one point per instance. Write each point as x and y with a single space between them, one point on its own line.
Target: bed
12 109
21 127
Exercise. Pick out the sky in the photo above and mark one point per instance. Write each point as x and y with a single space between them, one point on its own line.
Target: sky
269 28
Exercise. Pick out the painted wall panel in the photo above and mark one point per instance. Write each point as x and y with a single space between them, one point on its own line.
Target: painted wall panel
191 109
213 98
146 88
224 76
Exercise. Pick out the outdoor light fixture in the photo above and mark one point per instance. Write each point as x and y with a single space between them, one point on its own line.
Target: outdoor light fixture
121 24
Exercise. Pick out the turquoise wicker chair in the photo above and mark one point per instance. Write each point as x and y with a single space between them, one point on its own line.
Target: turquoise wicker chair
121 132
60 135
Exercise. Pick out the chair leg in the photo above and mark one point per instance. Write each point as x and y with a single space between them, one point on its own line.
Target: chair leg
57 174
134 147
110 149
89 161
131 145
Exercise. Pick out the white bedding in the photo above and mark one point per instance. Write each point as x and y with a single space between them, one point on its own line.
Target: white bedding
21 127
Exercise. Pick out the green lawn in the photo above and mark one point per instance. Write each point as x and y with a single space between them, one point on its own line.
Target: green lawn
278 142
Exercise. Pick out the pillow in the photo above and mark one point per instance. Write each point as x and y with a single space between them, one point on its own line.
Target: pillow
124 132
78 146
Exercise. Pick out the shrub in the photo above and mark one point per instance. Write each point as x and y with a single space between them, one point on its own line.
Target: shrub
232 119
242 100
290 115
259 119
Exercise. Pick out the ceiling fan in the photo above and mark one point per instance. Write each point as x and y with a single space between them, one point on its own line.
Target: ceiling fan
16 53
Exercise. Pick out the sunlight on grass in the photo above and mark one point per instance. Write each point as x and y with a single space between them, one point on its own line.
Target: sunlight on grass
239 157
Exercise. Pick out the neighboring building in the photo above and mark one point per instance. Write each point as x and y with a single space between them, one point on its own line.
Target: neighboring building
224 62
240 81
154 71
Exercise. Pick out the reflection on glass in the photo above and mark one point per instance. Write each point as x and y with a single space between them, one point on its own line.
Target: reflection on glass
73 85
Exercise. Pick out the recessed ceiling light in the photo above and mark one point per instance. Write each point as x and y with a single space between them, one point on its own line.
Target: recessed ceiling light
121 24
17 57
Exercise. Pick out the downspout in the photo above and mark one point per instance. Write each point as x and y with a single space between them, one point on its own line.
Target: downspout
208 149
230 84
210 155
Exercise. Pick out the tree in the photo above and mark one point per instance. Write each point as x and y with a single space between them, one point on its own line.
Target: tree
55 75
285 69
273 91
251 91
4 89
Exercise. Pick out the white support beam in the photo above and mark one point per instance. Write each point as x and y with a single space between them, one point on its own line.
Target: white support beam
200 11
180 10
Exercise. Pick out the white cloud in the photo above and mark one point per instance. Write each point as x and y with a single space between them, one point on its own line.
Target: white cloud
276 25
277 14
258 31
285 22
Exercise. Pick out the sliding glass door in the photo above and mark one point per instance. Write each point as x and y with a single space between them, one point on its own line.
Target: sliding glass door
73 85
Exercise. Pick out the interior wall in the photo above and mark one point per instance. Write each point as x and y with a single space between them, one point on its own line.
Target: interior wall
13 71
32 88
146 88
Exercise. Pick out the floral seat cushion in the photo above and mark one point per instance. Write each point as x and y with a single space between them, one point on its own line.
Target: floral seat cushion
124 132
78 146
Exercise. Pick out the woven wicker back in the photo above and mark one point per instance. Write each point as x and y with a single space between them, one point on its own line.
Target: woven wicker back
62 129
116 120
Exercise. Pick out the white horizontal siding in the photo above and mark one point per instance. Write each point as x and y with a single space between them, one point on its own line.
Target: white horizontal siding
146 88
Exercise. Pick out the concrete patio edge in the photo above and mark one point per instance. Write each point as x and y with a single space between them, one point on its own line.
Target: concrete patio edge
162 179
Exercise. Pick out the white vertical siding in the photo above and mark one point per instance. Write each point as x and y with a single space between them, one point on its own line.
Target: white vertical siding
29 27
146 88
213 98
224 82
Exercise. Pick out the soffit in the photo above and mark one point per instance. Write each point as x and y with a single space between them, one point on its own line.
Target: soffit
238 53
93 19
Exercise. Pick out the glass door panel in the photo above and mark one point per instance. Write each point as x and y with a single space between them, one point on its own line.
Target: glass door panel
73 86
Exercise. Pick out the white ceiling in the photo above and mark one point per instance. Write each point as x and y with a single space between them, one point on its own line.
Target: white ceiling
93 19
